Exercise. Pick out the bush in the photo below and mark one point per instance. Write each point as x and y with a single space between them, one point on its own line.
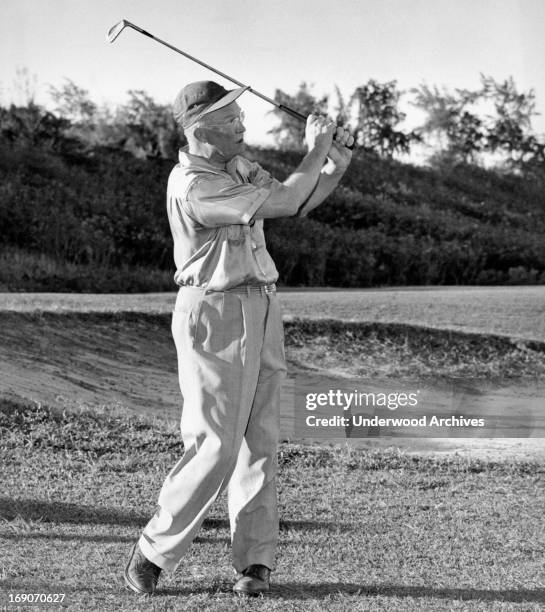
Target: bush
22 270
100 214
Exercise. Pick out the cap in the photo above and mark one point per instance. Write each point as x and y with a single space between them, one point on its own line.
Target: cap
200 98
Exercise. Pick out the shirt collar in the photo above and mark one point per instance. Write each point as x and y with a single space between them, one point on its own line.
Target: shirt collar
235 168
196 162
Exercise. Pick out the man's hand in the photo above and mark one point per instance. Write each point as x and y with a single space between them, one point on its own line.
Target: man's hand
313 181
319 133
339 155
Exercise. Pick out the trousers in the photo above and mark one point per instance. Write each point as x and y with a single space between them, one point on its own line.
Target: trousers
231 363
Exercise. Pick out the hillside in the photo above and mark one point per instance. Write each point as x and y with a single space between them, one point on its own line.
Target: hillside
94 221
396 224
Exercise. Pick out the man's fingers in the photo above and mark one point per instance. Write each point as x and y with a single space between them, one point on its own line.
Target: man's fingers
320 131
322 121
327 126
325 122
343 137
313 119
331 128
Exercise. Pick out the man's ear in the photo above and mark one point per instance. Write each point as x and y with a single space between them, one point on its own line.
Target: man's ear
201 134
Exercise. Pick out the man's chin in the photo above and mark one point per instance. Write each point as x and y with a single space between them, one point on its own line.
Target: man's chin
236 149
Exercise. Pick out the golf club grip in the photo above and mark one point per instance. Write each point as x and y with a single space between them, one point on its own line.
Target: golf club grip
293 113
299 116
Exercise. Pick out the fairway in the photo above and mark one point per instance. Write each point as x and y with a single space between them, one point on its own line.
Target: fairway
511 311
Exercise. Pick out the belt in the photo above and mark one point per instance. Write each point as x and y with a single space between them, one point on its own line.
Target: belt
248 289
269 289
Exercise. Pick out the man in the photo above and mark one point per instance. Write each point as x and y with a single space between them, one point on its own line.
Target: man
228 332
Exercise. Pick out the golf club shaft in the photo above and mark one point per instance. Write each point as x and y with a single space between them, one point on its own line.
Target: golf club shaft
282 107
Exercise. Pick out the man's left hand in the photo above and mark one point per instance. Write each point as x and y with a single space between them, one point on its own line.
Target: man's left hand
339 154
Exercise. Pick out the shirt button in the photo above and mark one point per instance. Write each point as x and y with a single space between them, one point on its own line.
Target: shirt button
254 246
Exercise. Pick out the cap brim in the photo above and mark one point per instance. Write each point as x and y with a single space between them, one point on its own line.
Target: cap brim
231 96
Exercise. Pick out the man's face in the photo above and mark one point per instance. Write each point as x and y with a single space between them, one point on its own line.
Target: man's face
224 130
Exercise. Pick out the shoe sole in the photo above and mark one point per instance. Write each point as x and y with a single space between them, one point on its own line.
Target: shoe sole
252 593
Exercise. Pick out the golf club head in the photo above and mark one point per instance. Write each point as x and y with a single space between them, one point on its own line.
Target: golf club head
116 30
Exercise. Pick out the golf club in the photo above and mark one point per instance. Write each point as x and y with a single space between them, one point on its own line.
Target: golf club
116 30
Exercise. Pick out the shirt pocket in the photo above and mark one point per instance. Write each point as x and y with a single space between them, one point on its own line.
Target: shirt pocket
257 236
235 234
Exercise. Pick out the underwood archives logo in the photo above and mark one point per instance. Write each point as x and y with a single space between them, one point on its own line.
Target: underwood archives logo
336 399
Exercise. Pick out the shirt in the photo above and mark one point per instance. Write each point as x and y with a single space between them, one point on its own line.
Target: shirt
217 243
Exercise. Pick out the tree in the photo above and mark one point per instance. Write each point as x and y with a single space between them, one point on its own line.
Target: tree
73 103
24 85
149 128
375 107
80 113
510 131
440 107
342 110
141 126
457 130
462 134
290 132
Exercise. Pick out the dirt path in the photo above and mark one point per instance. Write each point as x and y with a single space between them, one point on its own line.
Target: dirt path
129 364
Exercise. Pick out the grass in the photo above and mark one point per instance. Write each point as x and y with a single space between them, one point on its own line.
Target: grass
510 311
360 530
398 350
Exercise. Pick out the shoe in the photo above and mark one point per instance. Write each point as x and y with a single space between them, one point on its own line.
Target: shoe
141 575
254 580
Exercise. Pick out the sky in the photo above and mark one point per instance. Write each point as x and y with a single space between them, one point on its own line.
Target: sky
271 45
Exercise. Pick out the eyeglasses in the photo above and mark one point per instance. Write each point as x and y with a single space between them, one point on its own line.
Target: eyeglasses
228 123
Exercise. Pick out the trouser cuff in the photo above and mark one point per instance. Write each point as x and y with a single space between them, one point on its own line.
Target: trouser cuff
241 564
152 555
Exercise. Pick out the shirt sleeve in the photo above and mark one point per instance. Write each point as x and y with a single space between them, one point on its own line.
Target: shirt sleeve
218 201
260 177
278 205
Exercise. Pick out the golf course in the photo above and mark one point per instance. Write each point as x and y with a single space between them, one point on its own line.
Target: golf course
377 170
89 428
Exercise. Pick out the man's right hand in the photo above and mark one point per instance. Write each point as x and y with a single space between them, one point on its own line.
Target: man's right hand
319 133
299 185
